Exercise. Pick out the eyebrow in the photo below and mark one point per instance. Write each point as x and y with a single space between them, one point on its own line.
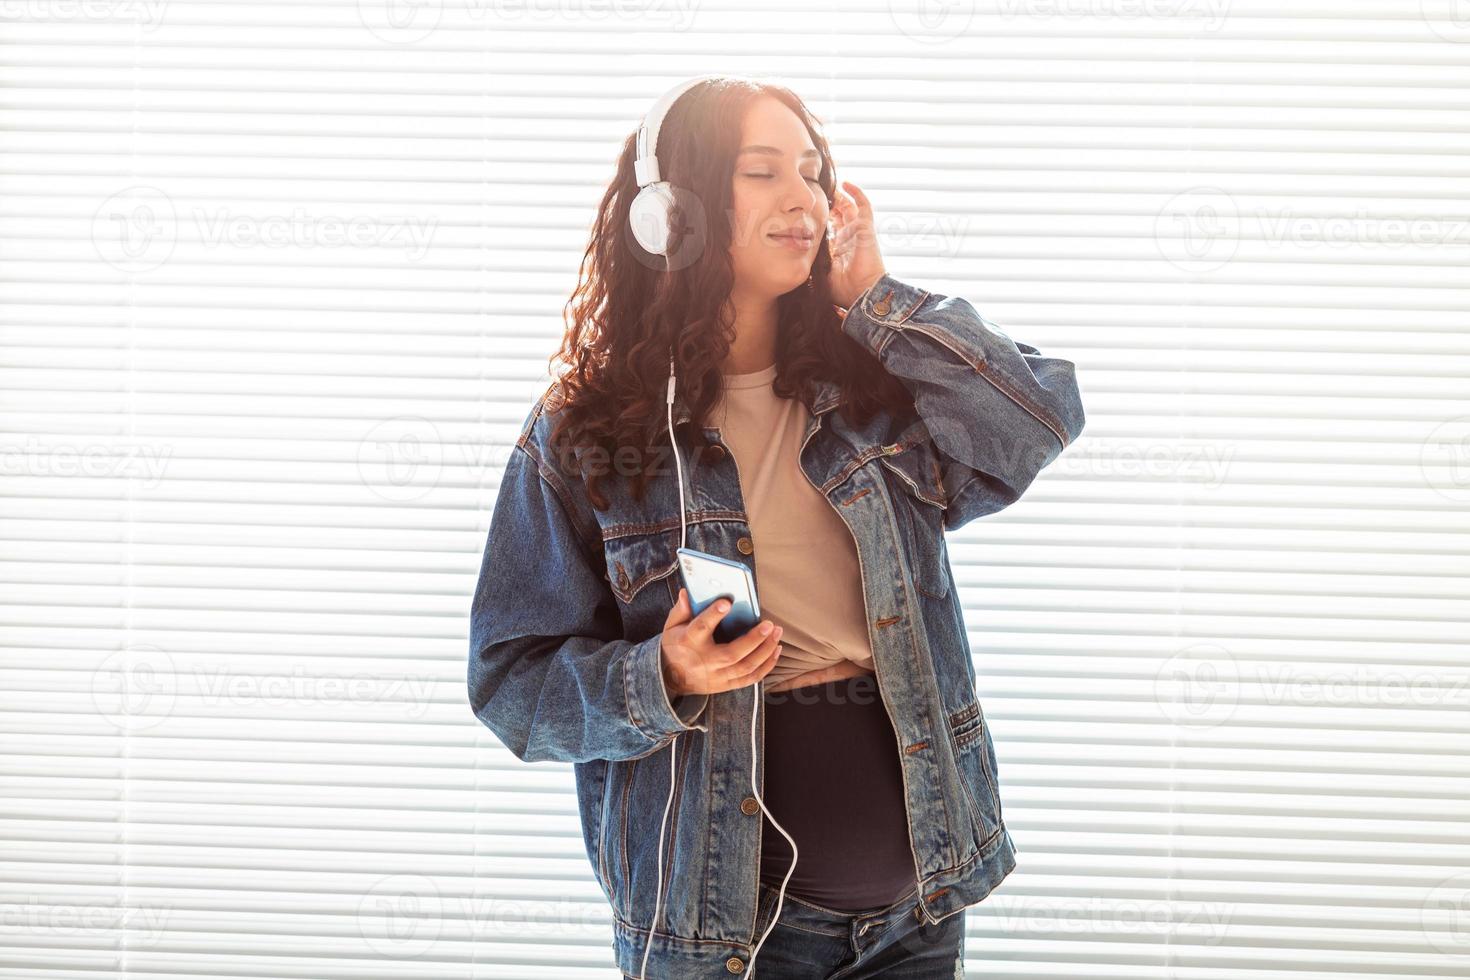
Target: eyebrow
772 151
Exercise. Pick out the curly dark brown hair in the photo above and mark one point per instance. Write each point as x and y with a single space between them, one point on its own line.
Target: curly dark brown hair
631 308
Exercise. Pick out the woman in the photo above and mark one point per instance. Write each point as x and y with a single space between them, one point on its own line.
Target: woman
837 420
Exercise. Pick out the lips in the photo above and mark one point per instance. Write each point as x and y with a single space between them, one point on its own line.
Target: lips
799 239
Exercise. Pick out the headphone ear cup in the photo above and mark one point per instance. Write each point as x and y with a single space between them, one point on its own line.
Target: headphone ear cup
648 216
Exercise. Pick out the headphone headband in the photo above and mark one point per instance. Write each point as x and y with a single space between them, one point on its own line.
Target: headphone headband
645 167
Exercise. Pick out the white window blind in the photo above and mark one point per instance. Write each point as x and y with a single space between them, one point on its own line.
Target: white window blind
279 284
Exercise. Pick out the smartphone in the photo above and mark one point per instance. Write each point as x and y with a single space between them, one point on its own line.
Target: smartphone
708 577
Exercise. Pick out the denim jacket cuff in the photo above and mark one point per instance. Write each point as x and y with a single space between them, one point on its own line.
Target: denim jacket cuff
876 316
648 699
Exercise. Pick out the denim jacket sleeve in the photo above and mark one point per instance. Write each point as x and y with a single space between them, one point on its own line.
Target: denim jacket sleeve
997 409
549 670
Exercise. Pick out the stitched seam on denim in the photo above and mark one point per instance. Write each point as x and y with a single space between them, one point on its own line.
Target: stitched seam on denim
623 834
643 725
673 826
636 585
918 490
1003 385
934 566
612 532
592 547
918 302
603 829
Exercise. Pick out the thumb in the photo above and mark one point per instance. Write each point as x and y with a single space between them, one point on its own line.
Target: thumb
680 611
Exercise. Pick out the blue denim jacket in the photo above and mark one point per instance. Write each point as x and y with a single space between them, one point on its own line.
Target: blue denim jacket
568 612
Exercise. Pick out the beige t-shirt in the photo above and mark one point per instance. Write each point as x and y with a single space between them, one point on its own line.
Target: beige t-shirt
806 562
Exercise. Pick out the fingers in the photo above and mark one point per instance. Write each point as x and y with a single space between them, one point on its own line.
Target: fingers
703 626
759 662
740 650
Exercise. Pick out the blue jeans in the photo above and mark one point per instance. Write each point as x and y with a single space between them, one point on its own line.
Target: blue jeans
810 942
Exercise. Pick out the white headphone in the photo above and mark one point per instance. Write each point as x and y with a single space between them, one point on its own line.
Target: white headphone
649 216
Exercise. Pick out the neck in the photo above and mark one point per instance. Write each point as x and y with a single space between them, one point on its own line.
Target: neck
754 346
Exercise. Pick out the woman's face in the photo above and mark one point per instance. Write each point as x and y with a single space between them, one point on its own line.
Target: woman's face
775 191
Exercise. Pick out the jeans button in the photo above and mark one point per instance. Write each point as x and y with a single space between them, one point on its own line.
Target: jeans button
864 930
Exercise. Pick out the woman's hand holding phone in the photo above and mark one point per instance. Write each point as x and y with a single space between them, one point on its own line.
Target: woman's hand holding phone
694 662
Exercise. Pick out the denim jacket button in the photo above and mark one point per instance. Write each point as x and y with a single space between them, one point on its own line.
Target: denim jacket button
745 546
735 964
716 453
749 806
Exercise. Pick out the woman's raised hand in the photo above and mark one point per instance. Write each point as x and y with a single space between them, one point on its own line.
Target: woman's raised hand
856 261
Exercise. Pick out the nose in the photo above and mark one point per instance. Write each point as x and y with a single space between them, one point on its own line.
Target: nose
805 195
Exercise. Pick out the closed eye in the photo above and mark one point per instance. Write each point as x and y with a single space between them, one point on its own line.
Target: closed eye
814 180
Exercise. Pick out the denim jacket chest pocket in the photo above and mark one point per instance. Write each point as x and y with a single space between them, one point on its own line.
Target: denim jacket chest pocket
911 471
640 571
